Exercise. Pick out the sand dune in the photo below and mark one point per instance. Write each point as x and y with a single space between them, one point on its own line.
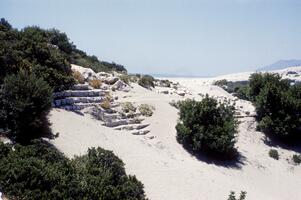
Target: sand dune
167 170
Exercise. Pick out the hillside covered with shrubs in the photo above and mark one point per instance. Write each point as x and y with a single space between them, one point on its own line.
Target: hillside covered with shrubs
34 63
277 102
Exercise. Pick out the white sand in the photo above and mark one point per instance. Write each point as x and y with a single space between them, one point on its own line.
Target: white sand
167 171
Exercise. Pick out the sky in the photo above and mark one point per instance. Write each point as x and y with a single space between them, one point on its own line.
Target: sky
180 37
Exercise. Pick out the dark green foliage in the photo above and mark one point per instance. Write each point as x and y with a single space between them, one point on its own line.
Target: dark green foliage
278 105
45 52
147 81
111 181
297 159
24 103
207 126
81 58
242 196
31 48
239 89
38 171
273 153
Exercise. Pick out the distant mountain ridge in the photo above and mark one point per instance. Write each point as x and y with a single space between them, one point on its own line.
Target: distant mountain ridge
281 64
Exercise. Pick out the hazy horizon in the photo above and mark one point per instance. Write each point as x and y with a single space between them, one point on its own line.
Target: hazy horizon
197 38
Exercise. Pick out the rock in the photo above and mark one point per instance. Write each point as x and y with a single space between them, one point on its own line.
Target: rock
181 93
141 132
87 73
120 85
111 80
164 91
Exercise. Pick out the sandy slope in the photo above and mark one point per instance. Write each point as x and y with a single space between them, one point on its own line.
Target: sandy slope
166 169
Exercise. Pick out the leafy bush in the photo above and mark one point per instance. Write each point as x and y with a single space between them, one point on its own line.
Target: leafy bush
278 105
242 196
103 176
38 171
146 81
297 159
24 104
207 126
146 110
273 153
95 83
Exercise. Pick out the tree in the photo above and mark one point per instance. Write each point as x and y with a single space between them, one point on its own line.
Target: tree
24 104
207 126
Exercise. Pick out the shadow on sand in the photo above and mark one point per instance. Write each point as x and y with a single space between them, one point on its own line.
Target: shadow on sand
292 144
234 161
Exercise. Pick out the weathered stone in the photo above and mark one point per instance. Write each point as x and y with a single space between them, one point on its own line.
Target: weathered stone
111 80
141 132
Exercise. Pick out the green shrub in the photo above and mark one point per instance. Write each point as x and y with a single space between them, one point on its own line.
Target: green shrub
278 105
297 159
242 196
38 171
207 126
146 110
103 176
273 153
24 104
147 81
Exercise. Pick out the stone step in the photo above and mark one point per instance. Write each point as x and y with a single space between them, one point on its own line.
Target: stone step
121 122
132 127
74 100
81 87
79 93
109 117
141 132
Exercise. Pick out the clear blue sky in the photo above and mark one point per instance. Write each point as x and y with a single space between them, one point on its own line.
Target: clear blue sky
195 37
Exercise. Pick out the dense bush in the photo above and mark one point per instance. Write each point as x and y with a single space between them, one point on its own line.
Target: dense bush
24 103
96 83
30 49
128 107
147 81
103 176
278 105
38 171
297 159
207 126
273 153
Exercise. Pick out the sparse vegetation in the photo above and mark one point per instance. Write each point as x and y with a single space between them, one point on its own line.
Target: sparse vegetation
128 107
207 126
146 110
297 159
95 83
147 81
125 78
273 153
242 196
78 77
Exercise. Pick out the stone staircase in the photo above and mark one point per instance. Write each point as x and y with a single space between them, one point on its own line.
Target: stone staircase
79 97
120 122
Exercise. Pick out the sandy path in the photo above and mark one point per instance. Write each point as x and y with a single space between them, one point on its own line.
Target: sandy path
166 169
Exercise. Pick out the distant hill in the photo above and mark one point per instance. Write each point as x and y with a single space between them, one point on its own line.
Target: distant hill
281 64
